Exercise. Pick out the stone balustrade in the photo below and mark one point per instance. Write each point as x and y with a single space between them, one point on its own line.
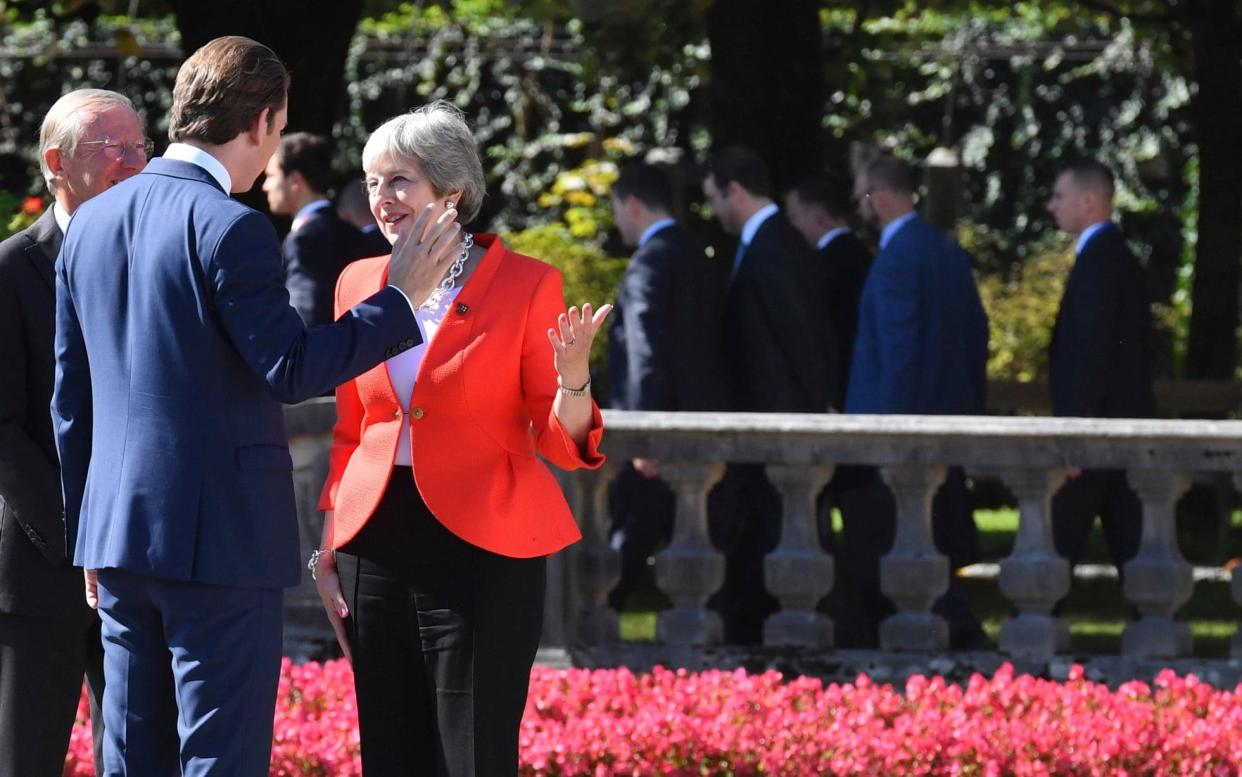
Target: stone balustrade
1029 455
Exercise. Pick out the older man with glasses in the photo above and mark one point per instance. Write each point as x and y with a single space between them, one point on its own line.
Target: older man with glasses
90 140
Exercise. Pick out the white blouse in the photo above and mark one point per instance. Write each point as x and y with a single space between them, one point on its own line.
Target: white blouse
403 368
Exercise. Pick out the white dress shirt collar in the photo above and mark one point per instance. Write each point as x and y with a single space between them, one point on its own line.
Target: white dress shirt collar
893 226
650 231
61 216
830 236
1089 233
755 221
183 152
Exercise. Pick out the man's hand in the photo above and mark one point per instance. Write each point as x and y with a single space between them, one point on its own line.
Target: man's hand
423 253
92 588
648 468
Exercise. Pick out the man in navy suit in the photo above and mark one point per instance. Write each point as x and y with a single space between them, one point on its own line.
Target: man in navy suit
819 208
773 359
1100 365
90 140
921 348
662 352
175 345
319 244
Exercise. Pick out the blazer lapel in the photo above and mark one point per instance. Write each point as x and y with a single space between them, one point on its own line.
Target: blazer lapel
45 238
454 331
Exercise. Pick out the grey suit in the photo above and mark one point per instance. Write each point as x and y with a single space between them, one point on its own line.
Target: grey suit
48 636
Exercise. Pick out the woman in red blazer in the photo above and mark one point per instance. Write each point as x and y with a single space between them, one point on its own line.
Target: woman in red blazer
440 512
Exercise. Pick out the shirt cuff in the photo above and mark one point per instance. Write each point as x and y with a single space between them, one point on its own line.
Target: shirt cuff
413 307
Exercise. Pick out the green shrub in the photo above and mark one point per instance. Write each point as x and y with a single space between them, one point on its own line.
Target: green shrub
590 276
1022 310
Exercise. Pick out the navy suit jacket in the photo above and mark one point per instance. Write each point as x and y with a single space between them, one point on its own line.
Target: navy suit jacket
922 342
1099 364
314 256
175 345
844 264
773 341
662 345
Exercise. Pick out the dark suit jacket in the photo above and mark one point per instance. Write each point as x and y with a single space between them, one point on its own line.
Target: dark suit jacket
773 351
371 242
35 576
1099 364
662 352
175 345
844 263
922 343
314 256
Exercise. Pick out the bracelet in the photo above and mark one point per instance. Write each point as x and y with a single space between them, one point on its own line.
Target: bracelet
313 564
573 392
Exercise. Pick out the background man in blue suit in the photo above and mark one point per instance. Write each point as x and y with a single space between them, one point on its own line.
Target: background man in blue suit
921 348
1100 364
175 344
90 140
662 351
320 243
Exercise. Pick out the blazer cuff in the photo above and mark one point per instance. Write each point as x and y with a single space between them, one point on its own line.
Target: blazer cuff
590 458
413 309
327 497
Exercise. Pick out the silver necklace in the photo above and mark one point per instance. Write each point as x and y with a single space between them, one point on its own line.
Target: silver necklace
450 280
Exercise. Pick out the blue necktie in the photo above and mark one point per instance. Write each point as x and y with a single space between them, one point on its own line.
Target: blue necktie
737 260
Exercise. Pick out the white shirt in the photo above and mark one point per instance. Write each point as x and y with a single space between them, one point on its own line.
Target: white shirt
1089 233
650 231
893 226
403 368
62 217
184 152
755 221
830 236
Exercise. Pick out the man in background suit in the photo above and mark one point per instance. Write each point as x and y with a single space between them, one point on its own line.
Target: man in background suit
661 352
319 244
354 208
90 139
1099 365
773 362
175 345
921 348
819 208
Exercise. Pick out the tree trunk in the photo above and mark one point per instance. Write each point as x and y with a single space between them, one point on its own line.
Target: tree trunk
1212 350
767 88
310 36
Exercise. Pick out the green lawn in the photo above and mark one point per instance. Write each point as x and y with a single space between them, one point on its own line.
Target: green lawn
1094 609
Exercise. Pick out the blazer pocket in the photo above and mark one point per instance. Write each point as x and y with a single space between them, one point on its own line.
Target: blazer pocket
264 457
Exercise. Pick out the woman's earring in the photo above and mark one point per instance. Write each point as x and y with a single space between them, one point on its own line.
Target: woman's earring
450 205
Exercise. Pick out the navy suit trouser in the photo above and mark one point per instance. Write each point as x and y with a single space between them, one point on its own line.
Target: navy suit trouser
191 673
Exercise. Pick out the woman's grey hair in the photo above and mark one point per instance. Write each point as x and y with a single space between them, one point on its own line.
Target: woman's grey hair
66 122
437 137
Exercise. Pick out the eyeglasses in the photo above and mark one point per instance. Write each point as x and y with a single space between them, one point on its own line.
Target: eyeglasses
116 151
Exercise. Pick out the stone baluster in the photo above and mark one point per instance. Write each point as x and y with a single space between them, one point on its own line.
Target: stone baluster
599 566
1235 588
798 572
1158 580
914 574
1034 577
690 570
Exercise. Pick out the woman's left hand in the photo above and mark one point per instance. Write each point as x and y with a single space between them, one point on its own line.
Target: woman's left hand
571 345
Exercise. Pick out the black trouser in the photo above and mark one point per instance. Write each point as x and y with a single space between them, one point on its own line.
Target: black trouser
642 522
744 522
443 636
1097 492
42 661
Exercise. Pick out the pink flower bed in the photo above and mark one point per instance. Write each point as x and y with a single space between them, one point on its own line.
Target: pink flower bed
613 722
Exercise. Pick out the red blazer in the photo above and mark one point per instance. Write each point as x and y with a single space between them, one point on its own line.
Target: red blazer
481 410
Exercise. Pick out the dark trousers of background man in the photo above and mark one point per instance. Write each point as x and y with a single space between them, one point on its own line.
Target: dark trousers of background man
857 604
1097 492
42 662
642 523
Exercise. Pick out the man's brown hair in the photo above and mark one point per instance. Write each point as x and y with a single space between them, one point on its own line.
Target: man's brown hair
223 87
